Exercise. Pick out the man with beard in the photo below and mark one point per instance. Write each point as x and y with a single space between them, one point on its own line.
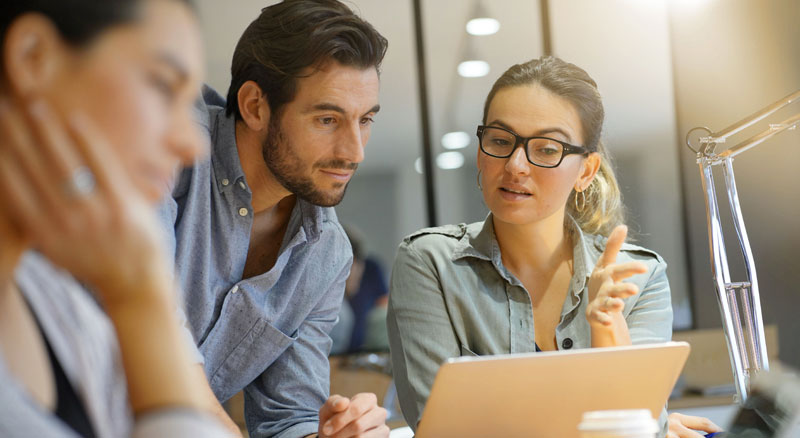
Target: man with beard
260 256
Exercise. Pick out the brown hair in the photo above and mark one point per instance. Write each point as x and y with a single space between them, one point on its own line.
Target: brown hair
293 35
603 208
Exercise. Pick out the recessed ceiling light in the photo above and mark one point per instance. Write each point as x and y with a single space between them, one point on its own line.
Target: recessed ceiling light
473 69
455 140
450 160
482 26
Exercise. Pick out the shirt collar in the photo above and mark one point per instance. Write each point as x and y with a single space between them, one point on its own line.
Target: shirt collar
480 245
224 154
484 246
312 218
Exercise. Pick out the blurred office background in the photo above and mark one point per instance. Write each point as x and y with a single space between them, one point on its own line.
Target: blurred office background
663 67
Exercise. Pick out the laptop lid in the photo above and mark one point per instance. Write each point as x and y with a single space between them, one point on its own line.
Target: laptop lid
545 394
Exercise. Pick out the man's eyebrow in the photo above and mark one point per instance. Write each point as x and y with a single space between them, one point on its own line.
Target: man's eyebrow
174 63
337 108
542 132
326 107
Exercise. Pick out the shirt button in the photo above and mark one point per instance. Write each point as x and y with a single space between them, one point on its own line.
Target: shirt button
225 181
241 184
242 211
235 289
566 344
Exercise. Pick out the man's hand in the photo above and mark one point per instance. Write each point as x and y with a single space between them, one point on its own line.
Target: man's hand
360 416
684 426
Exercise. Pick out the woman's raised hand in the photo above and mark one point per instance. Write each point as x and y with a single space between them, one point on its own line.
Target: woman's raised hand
66 190
607 290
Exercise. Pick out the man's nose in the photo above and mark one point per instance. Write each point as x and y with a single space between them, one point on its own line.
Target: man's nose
351 144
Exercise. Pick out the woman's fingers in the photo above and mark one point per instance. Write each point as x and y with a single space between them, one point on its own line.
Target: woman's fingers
610 299
683 422
97 154
66 189
56 149
618 290
613 245
17 197
598 316
621 271
21 153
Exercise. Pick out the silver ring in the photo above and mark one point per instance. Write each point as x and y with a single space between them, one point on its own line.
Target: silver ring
81 184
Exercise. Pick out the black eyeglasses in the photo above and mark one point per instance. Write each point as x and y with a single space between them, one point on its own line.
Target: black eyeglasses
541 151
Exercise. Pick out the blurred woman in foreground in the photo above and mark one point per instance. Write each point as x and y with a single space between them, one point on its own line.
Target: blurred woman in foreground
95 115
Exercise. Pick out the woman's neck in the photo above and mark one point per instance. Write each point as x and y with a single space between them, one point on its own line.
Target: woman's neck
540 247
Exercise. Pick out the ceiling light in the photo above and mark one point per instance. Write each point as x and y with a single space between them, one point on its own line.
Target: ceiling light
473 68
418 165
450 160
482 26
455 140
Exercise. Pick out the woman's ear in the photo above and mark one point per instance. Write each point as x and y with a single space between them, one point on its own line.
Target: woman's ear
253 106
479 159
33 51
589 169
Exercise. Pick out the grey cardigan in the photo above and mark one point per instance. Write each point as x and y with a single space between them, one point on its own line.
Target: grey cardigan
451 296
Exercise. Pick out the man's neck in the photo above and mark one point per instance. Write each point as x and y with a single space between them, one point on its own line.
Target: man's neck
540 247
267 191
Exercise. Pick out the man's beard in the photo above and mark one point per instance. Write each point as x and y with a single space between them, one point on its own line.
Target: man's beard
282 160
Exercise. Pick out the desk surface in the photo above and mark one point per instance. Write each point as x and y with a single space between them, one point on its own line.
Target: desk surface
699 401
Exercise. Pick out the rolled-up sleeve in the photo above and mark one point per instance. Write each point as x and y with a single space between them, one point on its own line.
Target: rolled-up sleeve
421 336
650 320
284 401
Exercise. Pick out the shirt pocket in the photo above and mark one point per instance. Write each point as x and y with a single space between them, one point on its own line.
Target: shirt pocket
241 346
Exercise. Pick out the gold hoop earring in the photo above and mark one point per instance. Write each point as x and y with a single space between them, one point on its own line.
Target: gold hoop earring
479 180
579 207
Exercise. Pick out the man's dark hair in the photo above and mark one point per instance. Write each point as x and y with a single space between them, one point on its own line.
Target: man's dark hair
293 35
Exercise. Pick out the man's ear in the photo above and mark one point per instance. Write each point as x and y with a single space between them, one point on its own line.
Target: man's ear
253 106
589 169
33 52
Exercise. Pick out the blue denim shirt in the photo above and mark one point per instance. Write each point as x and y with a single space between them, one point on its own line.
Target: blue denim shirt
268 334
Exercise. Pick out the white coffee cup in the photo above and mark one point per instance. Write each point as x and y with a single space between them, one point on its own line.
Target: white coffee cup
630 423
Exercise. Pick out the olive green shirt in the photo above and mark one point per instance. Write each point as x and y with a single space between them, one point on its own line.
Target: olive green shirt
450 296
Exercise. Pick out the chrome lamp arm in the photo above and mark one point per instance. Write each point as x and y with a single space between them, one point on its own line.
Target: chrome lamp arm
739 302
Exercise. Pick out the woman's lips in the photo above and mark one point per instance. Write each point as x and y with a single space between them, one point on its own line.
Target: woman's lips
514 194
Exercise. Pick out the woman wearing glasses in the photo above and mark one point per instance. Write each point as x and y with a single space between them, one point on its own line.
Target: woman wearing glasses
549 268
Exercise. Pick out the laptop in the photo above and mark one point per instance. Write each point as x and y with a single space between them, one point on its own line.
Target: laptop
545 394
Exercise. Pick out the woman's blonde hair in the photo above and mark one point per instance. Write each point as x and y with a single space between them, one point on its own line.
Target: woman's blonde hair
602 209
